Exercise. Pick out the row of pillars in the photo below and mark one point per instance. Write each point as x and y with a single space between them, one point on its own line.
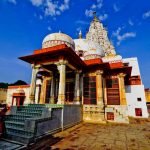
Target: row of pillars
61 65
62 84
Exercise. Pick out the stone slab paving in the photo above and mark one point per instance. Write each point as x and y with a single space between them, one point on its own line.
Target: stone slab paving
104 137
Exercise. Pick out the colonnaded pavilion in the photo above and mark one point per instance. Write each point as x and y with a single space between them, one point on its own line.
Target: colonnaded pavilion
86 72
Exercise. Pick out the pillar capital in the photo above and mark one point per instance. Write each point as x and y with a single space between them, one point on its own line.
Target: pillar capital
33 66
78 71
121 75
61 62
99 72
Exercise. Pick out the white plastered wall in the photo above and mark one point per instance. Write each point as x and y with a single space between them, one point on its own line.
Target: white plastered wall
13 90
135 91
132 93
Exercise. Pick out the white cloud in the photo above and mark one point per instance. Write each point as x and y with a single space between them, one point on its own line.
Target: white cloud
124 36
146 15
93 6
103 17
12 1
97 5
51 7
37 2
49 28
89 13
81 22
79 29
116 8
40 17
130 22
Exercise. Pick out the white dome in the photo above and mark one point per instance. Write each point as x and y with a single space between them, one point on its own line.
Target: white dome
90 48
57 39
113 58
81 44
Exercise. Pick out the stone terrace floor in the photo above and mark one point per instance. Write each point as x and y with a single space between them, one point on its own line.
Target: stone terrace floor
135 136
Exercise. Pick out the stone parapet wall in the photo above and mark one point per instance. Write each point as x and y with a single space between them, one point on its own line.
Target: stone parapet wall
93 114
61 118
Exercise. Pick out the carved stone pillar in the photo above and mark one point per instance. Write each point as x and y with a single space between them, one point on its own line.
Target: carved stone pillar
122 89
77 88
81 89
62 81
52 90
99 88
56 88
33 83
43 88
105 91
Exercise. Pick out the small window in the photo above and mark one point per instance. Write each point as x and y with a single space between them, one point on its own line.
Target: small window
139 99
138 111
110 116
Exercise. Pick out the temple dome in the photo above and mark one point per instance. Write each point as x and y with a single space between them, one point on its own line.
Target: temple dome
81 44
57 39
90 48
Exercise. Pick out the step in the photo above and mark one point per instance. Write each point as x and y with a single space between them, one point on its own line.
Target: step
13 127
30 110
19 137
17 118
28 114
14 124
19 131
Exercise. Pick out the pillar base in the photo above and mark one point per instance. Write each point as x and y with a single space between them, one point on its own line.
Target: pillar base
61 99
32 99
52 100
76 102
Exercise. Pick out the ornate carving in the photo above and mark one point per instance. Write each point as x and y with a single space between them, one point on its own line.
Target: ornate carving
98 34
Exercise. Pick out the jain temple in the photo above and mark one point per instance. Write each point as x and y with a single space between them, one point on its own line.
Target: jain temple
75 80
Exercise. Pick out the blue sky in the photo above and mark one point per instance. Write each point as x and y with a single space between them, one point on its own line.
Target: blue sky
24 24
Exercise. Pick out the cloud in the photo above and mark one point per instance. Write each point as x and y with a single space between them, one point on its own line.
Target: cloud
146 15
51 7
124 36
89 13
40 17
97 5
116 8
49 28
12 1
37 2
103 17
82 22
130 22
79 29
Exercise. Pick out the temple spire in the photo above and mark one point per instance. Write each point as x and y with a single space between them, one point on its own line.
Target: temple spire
80 34
95 17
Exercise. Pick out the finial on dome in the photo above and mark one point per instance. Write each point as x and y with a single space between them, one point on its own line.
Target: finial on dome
95 16
80 34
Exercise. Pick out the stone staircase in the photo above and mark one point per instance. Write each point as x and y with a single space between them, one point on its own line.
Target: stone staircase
16 124
120 113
